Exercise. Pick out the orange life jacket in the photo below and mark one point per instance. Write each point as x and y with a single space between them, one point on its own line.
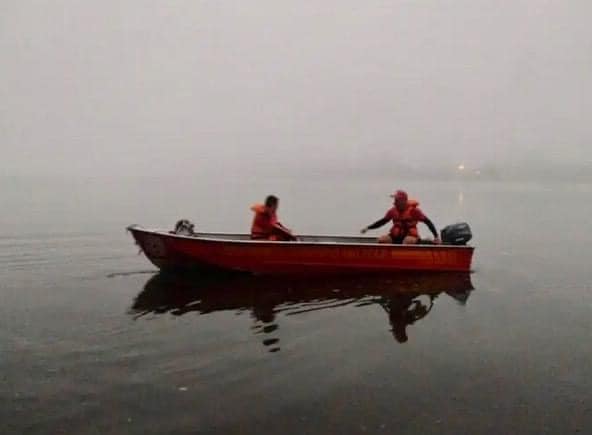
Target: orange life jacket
263 222
404 224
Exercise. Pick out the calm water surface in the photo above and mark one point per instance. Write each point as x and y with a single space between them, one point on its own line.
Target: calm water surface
93 340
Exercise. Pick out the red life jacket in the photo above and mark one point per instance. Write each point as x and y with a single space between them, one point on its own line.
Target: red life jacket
264 222
404 224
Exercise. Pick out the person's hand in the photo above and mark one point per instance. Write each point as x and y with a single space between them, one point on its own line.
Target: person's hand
437 241
363 230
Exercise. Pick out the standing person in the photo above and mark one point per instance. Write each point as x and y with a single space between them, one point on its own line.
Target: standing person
405 215
265 222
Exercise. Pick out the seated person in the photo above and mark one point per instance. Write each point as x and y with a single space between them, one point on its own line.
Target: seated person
265 223
405 215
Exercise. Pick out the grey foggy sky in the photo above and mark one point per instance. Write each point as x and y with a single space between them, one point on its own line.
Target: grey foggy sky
155 87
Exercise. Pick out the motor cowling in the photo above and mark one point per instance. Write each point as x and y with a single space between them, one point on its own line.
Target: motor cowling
456 234
184 227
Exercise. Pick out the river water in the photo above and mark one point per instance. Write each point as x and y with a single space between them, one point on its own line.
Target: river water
94 340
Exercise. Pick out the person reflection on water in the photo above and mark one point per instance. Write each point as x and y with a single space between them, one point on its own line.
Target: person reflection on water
405 215
404 311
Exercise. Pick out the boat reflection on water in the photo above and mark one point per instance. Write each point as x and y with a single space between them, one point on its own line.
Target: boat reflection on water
405 298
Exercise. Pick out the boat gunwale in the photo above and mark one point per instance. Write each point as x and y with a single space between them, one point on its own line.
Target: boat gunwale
292 243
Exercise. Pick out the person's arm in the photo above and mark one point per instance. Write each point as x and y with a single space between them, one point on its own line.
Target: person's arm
432 227
421 217
377 224
283 231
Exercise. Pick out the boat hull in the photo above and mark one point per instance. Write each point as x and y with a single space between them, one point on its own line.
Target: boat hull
209 253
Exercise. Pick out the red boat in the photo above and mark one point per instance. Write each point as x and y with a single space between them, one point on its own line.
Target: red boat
310 254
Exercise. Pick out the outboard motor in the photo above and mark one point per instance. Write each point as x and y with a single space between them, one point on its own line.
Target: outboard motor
456 234
184 228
